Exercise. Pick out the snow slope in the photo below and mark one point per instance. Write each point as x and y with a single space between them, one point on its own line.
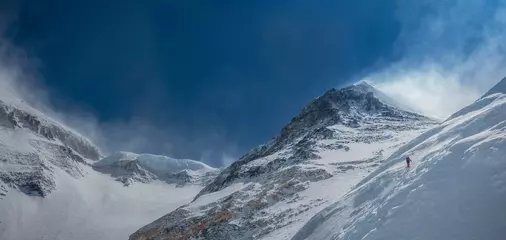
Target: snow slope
92 207
455 190
336 140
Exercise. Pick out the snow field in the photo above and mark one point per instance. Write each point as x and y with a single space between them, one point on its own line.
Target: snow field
93 207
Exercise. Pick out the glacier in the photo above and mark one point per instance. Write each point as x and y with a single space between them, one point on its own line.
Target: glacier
130 168
156 163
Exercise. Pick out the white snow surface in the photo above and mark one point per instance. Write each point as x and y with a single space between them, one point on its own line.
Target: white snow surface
348 168
93 207
156 163
455 190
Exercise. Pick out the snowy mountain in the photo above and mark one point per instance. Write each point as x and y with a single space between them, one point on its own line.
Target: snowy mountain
274 189
50 187
32 146
130 167
455 190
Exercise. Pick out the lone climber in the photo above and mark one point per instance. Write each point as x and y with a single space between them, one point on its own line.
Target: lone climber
408 161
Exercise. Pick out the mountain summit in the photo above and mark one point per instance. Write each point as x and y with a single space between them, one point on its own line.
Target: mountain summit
335 141
351 107
454 190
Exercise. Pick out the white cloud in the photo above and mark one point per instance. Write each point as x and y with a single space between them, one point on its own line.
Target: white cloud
454 54
432 92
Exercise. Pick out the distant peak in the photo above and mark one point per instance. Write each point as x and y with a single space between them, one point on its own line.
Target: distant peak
365 87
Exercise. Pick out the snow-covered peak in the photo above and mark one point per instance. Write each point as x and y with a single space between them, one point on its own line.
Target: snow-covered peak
273 189
350 107
454 190
362 96
33 146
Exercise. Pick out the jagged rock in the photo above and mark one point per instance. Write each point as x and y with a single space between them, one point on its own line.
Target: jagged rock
37 183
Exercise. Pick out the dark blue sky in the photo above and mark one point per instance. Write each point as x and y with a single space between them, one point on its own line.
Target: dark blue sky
200 78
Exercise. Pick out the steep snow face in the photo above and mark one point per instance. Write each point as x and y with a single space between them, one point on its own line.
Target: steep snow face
32 146
455 190
130 167
275 188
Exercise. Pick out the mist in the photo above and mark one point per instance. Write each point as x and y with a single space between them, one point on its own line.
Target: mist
451 52
21 85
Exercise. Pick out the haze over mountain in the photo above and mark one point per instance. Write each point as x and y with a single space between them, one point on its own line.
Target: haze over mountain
195 80
240 120
56 184
348 140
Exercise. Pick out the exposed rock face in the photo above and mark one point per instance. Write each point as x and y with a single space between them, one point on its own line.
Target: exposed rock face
32 145
335 141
